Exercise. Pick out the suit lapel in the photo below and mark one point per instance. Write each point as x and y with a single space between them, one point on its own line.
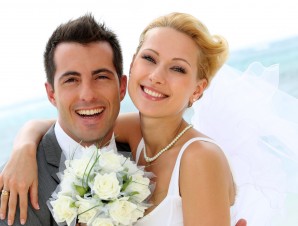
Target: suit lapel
52 152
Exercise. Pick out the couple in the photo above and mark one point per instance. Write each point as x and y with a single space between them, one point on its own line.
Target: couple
174 63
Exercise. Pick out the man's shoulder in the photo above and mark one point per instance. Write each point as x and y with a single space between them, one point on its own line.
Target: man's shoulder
49 140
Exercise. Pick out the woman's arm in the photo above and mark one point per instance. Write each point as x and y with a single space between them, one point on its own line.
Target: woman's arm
20 173
127 130
206 186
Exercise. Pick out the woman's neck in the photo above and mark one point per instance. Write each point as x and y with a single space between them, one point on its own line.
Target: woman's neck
158 133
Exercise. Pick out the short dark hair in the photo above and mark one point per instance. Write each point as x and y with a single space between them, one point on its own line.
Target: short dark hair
82 30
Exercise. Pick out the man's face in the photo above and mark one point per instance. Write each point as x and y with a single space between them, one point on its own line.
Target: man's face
86 92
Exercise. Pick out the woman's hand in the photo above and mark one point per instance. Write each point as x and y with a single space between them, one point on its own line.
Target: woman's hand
20 174
241 222
19 177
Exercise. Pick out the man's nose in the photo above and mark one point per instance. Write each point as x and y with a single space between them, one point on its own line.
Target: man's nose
87 91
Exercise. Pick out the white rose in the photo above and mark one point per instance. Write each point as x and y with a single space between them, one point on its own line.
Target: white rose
138 213
125 212
102 222
87 209
81 166
66 185
110 162
89 151
132 167
64 209
106 186
139 184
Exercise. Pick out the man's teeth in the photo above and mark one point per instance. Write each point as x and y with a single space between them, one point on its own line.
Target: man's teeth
152 93
90 112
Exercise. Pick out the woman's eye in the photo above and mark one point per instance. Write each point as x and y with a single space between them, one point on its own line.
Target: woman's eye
179 69
148 58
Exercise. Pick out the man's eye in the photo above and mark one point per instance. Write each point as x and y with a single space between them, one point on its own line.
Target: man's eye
102 77
179 69
148 58
70 80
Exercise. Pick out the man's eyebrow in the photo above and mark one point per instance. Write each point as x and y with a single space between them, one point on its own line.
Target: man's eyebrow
70 73
98 71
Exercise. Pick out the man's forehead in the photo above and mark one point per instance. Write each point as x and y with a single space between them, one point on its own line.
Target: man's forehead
95 54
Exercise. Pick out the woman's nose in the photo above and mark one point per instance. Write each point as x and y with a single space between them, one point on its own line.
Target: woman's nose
157 76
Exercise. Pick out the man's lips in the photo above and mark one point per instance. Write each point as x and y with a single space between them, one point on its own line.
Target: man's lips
89 112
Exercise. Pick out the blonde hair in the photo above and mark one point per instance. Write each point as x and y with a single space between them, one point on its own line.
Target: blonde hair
213 49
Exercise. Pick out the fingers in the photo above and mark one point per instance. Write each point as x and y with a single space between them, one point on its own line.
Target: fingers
12 203
4 201
13 178
241 222
34 195
2 214
23 207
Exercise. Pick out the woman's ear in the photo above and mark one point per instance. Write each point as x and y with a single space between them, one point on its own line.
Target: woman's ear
198 93
201 86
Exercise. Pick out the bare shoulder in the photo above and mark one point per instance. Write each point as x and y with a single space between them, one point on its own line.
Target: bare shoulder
205 183
205 163
208 160
203 152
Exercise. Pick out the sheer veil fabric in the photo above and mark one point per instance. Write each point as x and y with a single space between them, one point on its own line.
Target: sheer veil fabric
256 124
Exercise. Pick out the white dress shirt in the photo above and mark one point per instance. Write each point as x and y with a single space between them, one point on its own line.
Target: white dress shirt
72 149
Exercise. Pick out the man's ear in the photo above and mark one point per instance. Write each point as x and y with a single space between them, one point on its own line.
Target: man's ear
50 93
123 86
131 64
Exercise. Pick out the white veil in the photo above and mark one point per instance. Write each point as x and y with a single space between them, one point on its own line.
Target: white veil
256 124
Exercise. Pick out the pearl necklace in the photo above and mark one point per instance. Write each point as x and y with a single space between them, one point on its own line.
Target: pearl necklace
148 159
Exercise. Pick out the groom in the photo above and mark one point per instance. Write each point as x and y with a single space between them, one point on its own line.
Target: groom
85 82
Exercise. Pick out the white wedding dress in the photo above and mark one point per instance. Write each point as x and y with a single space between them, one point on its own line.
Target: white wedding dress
169 211
256 125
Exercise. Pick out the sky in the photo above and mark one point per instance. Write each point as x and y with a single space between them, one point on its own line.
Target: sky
25 27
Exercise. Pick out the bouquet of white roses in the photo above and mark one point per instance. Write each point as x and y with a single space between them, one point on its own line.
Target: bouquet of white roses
102 188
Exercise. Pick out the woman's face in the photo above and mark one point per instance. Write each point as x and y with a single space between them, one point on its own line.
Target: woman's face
163 75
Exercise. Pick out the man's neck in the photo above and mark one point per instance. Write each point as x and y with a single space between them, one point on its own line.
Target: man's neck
72 148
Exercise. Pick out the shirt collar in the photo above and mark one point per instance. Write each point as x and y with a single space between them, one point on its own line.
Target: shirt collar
71 148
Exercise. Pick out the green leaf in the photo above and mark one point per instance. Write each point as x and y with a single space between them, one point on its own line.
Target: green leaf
72 205
134 193
81 190
127 181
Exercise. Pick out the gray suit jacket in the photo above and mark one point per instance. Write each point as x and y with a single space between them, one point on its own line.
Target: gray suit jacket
48 161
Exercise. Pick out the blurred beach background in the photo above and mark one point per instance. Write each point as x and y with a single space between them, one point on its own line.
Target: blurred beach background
264 31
